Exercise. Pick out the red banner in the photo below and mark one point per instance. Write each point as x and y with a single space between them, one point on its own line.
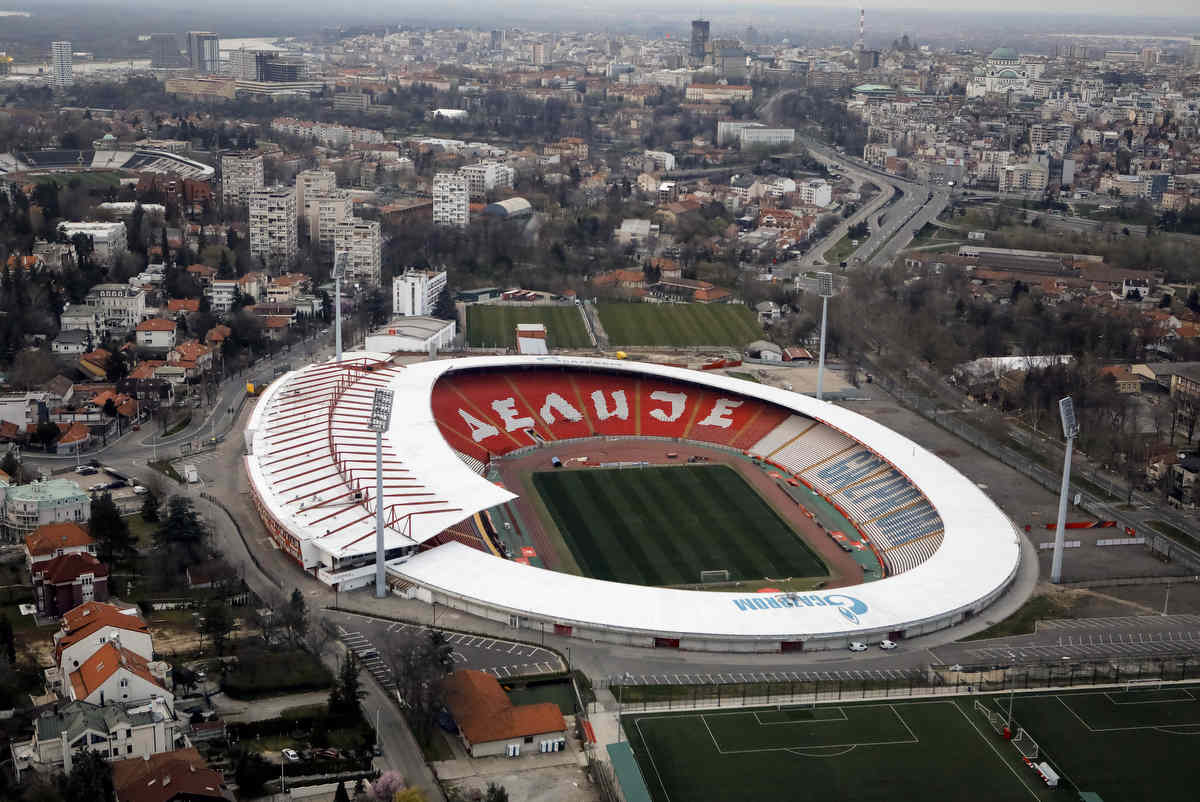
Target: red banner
1086 525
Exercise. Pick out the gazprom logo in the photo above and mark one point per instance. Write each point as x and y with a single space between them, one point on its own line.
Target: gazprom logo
848 607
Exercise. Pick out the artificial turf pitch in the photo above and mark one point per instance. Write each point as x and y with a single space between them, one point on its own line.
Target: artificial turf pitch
1124 746
663 526
492 326
678 324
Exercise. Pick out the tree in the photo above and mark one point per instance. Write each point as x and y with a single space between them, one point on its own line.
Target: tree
150 508
217 624
295 617
345 693
444 308
390 783
495 793
90 777
46 433
410 795
109 530
340 795
11 466
116 368
420 665
7 643
251 773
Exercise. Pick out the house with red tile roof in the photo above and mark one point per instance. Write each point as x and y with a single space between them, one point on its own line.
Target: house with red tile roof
68 580
156 333
179 776
182 306
53 540
92 624
115 674
488 721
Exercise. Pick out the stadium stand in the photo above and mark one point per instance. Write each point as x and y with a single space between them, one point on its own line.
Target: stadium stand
152 161
877 496
792 428
812 449
831 476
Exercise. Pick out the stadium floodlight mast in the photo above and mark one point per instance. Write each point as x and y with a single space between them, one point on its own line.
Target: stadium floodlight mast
381 416
339 272
825 290
1066 411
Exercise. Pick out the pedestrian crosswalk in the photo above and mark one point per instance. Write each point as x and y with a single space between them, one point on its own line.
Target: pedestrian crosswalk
369 657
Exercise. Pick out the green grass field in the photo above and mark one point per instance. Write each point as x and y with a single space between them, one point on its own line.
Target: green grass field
663 526
1123 745
678 324
89 180
489 326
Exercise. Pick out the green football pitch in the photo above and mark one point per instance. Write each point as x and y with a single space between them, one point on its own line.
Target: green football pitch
1123 745
492 326
678 324
663 526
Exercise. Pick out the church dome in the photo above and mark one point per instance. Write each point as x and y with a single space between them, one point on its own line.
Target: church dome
1004 54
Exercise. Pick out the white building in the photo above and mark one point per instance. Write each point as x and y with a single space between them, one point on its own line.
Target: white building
415 292
362 240
121 306
308 181
323 210
156 334
61 74
241 174
426 335
204 51
662 160
451 200
108 239
93 624
221 293
729 131
83 317
765 137
114 673
1004 72
816 191
487 176
273 226
26 507
21 409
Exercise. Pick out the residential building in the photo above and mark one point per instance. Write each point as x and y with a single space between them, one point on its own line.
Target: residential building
241 174
1024 177
422 334
89 626
178 776
351 101
26 507
115 730
489 723
362 240
662 160
415 292
67 581
24 410
204 52
116 674
164 50
451 200
108 239
54 540
156 334
61 73
221 294
486 176
699 42
634 231
273 227
729 131
309 181
323 210
719 93
120 307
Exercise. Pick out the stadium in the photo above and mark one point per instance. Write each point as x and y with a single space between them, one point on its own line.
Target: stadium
877 536
141 160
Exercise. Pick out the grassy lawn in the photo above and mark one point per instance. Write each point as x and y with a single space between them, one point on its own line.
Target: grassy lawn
864 752
1173 532
1024 620
437 749
89 180
663 526
258 674
142 530
22 623
559 692
489 325
679 324
841 251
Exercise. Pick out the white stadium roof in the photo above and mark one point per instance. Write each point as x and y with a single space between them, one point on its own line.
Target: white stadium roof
303 415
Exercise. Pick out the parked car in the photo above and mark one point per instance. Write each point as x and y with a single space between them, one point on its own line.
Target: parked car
857 646
85 470
291 755
886 644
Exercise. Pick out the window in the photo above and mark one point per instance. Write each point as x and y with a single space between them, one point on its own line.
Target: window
124 682
528 739
129 749
129 733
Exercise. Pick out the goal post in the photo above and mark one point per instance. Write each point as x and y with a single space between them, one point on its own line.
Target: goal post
1025 744
994 717
719 575
1142 685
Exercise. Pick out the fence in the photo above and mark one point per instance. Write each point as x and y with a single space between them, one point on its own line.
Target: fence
936 681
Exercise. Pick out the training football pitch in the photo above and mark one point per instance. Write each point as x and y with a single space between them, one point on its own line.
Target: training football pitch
663 526
1124 745
491 326
678 324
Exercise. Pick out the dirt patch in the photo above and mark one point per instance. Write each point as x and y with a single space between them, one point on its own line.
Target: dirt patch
551 784
515 473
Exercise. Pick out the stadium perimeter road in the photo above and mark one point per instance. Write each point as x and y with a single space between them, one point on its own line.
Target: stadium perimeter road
1084 639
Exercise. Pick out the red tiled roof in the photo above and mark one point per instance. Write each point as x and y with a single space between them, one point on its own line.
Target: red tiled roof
183 305
484 712
49 538
104 662
75 433
167 776
68 567
156 324
80 622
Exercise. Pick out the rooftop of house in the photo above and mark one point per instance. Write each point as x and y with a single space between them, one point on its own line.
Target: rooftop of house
104 662
50 538
484 712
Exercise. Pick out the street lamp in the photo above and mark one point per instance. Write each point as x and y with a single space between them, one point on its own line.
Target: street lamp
825 290
339 272
381 415
1066 411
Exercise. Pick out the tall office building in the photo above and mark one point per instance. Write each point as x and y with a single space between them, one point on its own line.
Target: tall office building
497 40
1196 50
164 50
415 292
700 28
361 239
60 65
539 54
308 181
273 227
204 51
241 174
322 211
451 200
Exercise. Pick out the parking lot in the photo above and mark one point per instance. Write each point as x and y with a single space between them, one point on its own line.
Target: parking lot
371 639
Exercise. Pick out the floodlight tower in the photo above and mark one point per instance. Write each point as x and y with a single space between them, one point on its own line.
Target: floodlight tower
825 290
1066 411
339 272
381 416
